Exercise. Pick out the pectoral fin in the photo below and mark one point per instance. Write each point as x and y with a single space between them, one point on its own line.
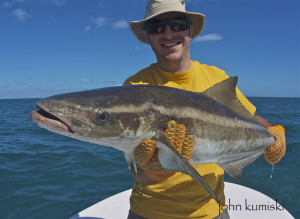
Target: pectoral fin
235 169
171 160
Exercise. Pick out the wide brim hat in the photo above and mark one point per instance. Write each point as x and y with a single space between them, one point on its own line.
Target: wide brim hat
157 7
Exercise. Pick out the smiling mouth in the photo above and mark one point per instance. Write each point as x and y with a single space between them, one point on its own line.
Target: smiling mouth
48 120
170 45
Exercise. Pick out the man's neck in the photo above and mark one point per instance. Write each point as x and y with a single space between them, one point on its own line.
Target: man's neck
175 68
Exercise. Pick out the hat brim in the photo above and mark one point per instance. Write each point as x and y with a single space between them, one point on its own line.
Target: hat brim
196 19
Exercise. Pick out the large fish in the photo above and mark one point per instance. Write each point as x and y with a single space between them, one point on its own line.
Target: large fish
122 117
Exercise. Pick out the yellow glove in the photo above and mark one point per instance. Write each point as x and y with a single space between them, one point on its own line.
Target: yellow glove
275 152
146 155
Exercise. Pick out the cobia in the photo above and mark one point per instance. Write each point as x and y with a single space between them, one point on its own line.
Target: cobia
122 117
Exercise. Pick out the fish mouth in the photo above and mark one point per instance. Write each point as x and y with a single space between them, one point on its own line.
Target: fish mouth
47 120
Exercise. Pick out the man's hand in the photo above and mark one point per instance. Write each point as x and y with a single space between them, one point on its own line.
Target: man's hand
146 156
275 152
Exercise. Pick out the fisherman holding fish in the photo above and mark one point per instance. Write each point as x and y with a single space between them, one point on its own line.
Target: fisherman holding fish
168 29
178 138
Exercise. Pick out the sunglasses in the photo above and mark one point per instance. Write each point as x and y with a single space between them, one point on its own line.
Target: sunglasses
159 26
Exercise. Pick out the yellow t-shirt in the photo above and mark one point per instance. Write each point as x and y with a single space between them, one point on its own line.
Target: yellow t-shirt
180 196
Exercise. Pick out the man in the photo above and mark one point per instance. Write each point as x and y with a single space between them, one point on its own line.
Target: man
168 28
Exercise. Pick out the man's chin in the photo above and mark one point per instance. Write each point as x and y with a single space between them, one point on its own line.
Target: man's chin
173 59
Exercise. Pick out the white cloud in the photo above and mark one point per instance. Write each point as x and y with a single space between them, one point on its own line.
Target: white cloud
87 28
8 4
11 3
120 24
208 37
99 21
95 23
85 80
24 90
20 15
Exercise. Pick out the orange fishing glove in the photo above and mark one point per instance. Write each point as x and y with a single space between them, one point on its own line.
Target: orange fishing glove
275 152
146 155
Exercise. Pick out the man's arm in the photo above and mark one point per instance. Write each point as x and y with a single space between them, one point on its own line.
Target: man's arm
275 152
263 121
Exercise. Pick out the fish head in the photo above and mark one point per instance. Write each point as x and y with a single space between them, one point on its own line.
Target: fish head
109 116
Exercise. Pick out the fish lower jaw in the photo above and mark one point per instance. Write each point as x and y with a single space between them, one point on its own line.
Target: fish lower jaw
45 119
50 124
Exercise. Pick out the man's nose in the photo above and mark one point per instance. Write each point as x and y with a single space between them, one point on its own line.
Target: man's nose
168 30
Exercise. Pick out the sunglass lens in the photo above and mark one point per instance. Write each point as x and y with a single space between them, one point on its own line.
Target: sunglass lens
179 24
156 28
159 26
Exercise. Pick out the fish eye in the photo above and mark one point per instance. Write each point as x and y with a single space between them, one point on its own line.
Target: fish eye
102 116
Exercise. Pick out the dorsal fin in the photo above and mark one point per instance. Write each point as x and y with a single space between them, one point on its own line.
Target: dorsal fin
225 93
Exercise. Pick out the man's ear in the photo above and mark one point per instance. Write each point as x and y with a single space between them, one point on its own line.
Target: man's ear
191 31
146 36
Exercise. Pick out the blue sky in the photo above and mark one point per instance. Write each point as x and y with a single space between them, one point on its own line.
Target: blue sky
56 46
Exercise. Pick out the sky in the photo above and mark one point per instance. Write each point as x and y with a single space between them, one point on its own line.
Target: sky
49 47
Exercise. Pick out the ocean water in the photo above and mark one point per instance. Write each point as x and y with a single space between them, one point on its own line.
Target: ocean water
46 175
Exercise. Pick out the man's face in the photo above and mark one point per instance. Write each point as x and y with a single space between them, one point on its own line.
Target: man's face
170 47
